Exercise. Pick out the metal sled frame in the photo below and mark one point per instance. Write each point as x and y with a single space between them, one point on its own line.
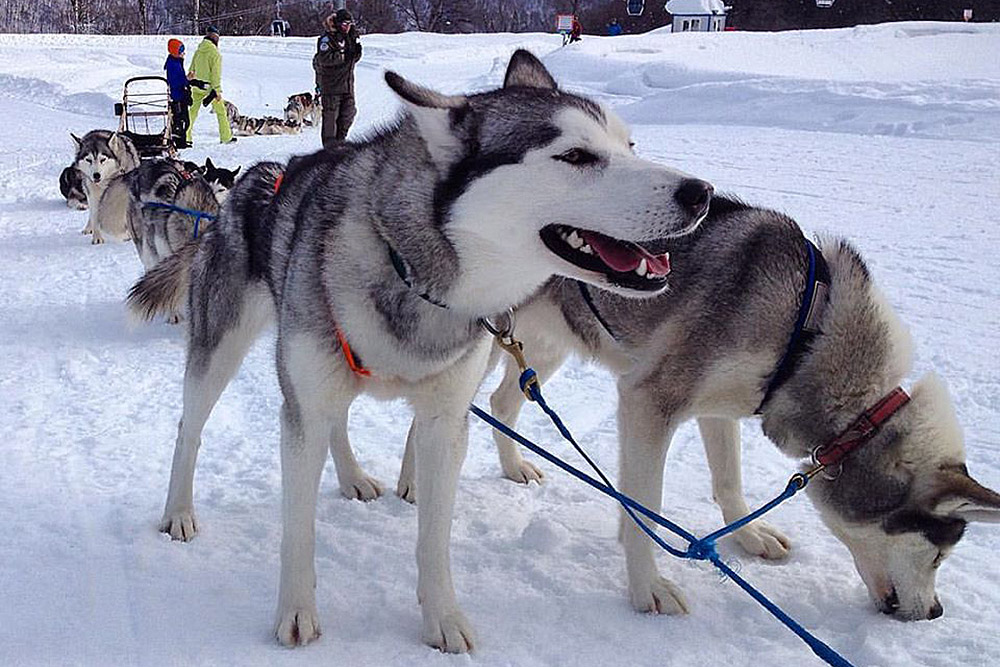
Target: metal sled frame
145 115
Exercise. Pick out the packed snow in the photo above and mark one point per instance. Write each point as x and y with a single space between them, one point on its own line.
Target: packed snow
888 135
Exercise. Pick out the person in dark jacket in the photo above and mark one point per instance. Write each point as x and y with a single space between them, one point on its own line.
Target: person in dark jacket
180 93
337 51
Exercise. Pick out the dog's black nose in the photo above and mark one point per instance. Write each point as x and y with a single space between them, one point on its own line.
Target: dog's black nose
936 610
694 195
97 177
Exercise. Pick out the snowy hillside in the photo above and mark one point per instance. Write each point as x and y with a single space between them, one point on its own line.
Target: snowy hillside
888 135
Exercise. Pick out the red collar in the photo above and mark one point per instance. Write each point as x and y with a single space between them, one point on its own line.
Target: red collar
861 431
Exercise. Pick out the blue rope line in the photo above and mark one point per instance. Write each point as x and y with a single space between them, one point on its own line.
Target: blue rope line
197 215
698 549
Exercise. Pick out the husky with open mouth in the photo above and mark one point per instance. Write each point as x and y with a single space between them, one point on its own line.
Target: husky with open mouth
379 261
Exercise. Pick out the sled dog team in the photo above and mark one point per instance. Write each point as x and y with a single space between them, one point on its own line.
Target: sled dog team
379 259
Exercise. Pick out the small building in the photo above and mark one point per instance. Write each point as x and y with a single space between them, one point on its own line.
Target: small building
697 15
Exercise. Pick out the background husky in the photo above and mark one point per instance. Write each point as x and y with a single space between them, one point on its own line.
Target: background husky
399 245
71 187
708 348
249 125
304 109
221 179
100 156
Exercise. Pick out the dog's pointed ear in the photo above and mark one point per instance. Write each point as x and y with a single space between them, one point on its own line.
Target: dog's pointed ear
76 139
960 496
208 163
432 112
527 71
237 170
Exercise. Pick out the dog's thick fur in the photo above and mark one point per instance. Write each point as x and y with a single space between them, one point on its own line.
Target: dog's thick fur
71 187
304 109
707 349
401 243
246 126
101 155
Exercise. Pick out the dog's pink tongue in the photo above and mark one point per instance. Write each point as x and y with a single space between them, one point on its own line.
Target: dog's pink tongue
624 258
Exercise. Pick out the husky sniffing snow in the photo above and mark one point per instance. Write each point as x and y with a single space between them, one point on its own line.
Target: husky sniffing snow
397 246
710 348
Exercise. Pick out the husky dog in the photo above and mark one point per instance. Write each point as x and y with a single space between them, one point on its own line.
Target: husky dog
304 109
100 156
379 260
245 126
221 179
71 187
709 348
166 203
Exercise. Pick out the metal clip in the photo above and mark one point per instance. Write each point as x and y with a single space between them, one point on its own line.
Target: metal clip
503 331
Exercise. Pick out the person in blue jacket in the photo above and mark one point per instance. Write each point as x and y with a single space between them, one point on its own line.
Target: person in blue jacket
180 92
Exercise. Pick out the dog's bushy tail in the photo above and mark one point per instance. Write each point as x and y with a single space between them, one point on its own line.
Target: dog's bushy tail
163 289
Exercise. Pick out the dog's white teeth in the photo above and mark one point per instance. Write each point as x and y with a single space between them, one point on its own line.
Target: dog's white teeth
574 240
586 250
641 269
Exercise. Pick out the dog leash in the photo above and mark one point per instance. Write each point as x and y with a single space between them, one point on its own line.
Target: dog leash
197 215
698 549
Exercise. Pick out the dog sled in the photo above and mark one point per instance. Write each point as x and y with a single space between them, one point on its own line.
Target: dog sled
145 116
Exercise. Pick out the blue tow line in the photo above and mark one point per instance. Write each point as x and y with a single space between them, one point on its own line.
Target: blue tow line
698 549
197 215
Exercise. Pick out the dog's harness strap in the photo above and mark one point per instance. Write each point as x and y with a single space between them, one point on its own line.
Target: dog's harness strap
589 300
399 264
862 430
197 215
814 299
278 181
353 361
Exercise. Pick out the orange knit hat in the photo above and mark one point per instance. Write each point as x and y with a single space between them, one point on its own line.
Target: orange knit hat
175 47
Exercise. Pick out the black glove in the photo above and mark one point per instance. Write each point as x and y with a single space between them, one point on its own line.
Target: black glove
208 98
198 83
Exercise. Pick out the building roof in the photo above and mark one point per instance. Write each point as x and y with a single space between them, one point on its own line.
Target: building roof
686 7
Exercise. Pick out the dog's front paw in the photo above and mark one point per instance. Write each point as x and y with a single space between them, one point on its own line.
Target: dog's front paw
97 240
761 539
661 596
179 525
521 471
406 489
86 230
360 487
449 633
297 626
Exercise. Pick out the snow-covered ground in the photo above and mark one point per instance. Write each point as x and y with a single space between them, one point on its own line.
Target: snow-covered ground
889 135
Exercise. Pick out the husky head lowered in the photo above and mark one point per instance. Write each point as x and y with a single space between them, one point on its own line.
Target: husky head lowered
901 501
534 181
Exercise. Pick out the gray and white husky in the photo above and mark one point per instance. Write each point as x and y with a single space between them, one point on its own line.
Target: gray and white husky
101 155
383 256
246 126
71 187
709 348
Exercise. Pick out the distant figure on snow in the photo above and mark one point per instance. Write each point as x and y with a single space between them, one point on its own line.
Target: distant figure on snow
614 28
337 51
180 93
576 31
206 66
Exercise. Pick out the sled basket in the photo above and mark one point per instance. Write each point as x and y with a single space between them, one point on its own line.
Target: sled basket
144 114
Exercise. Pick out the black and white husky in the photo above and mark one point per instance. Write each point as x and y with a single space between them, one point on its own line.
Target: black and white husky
709 348
383 256
102 155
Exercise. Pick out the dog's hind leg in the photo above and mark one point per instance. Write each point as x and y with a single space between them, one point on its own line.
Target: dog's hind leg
645 430
210 366
354 482
315 392
721 438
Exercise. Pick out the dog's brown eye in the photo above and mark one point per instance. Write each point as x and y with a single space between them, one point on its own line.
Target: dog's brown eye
577 156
